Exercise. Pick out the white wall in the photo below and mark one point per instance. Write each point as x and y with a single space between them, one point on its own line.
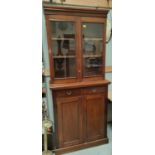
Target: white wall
94 3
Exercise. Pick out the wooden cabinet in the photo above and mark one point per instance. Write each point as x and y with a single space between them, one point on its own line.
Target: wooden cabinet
81 117
76 43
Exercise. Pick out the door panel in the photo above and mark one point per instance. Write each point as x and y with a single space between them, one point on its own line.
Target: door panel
70 120
92 49
95 116
64 49
62 41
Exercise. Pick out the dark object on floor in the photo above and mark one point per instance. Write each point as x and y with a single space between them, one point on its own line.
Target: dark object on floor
50 142
109 116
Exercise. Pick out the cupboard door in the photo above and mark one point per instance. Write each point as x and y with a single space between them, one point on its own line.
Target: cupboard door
95 117
63 47
70 120
93 38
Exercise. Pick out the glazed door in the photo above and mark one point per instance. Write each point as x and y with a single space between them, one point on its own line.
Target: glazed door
70 120
93 49
95 117
63 42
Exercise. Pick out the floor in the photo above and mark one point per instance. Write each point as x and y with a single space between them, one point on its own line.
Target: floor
105 149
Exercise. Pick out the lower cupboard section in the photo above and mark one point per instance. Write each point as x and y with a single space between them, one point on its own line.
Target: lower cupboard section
80 118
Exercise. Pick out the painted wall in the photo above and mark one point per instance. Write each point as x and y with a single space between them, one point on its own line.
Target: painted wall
109 54
46 65
95 3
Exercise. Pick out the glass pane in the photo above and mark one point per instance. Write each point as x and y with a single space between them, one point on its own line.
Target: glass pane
63 48
92 48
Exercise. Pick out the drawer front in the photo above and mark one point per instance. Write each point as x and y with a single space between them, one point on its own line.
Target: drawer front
94 90
68 92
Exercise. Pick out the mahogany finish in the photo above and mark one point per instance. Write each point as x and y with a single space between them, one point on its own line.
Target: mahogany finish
81 115
78 11
80 103
70 121
95 124
79 84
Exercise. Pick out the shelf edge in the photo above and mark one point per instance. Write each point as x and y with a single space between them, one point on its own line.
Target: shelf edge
79 84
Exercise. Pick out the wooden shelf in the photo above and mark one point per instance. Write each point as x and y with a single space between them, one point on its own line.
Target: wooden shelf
96 39
85 39
93 66
63 39
79 84
64 56
92 56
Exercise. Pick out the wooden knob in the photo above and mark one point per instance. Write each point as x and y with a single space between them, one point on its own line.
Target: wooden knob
68 92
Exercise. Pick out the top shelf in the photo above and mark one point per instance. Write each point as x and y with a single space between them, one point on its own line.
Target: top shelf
63 38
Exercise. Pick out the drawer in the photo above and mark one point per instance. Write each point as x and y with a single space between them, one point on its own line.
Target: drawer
94 90
68 92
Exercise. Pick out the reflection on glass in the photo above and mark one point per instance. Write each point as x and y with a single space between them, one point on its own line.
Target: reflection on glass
63 48
92 48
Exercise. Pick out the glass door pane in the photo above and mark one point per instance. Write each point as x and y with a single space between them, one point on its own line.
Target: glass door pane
92 40
64 49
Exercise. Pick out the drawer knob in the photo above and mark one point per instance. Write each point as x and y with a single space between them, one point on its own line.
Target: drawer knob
68 92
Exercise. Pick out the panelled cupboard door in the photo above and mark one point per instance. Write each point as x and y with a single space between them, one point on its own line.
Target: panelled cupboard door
70 120
95 117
